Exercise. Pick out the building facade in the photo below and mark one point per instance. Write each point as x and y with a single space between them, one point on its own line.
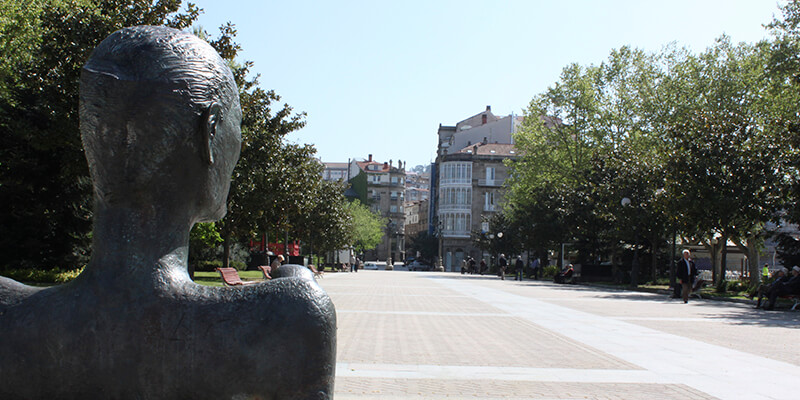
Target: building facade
470 182
385 194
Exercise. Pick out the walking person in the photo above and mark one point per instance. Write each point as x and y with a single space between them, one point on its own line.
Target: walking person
503 263
519 268
535 267
483 266
686 272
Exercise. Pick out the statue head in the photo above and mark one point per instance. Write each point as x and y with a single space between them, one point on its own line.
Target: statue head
160 122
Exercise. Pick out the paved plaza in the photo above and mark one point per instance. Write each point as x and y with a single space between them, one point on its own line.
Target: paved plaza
425 335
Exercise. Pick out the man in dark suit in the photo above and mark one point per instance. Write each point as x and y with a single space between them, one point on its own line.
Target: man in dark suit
792 286
686 272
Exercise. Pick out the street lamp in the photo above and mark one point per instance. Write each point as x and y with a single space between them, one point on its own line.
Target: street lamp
440 267
626 202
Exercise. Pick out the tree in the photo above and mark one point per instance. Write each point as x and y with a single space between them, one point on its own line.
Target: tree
44 183
724 152
327 227
367 227
424 244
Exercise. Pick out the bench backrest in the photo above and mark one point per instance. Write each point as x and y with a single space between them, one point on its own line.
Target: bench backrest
230 276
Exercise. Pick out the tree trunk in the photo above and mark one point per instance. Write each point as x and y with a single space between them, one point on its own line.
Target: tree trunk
750 248
226 249
712 251
654 256
672 279
723 263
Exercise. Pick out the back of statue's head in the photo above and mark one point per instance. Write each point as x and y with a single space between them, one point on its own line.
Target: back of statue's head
143 94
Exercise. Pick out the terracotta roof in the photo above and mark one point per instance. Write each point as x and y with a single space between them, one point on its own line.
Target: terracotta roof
491 149
381 166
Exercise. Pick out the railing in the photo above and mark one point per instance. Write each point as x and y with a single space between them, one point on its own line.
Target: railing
454 233
444 207
397 184
489 207
456 181
490 182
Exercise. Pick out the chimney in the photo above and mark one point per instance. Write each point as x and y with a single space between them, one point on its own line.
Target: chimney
385 164
475 150
488 108
484 142
370 158
390 163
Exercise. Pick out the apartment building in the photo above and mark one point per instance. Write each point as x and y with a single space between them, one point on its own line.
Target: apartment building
383 187
469 177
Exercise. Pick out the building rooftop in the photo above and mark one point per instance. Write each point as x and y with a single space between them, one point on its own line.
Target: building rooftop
490 149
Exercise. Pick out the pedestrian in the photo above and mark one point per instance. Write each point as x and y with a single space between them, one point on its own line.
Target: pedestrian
471 266
483 266
535 267
503 263
686 272
519 268
765 272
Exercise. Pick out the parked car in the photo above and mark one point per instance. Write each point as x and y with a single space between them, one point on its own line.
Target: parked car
418 266
370 265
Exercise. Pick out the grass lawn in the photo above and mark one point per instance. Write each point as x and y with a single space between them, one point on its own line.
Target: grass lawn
213 278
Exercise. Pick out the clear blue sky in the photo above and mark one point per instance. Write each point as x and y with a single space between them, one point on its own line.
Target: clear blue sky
380 76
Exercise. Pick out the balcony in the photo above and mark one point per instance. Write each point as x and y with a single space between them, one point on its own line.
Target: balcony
452 207
456 182
455 234
490 182
387 184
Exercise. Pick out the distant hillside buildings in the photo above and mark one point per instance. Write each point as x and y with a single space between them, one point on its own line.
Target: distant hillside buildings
464 187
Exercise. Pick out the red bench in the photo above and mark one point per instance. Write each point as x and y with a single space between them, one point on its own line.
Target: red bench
230 277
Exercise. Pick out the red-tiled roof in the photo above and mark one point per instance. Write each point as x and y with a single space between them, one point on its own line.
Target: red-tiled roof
382 167
491 149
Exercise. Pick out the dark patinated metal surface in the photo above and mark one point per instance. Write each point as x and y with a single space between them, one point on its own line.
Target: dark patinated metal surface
160 123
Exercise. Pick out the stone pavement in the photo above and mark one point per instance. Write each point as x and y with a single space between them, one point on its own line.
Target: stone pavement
426 335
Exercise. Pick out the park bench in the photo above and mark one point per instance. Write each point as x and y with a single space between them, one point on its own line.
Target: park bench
317 273
793 297
230 277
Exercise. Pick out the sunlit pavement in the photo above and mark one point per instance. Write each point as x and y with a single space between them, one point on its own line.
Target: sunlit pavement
427 335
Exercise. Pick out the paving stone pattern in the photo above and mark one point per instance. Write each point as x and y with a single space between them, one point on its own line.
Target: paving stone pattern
424 335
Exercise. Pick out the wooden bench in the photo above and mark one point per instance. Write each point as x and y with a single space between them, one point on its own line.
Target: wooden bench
230 277
317 274
793 297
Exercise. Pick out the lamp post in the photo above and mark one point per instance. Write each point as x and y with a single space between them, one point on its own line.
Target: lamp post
626 202
439 267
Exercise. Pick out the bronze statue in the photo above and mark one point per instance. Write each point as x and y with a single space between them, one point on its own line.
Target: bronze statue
160 121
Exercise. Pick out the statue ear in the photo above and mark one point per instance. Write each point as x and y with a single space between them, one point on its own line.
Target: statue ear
211 117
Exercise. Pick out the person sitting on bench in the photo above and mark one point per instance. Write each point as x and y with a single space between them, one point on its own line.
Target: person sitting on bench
564 276
779 276
791 287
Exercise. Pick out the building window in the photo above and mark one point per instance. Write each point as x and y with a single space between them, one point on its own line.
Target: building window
456 172
488 203
393 208
489 174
